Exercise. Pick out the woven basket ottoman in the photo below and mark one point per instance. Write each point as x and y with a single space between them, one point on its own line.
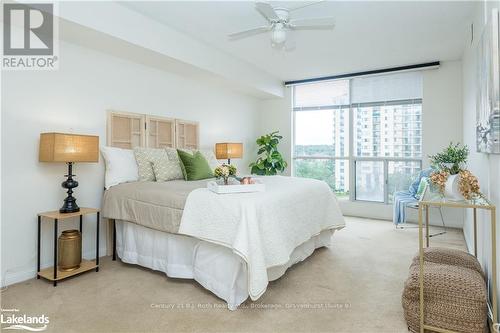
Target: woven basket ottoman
454 292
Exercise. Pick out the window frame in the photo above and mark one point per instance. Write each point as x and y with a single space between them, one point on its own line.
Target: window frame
351 156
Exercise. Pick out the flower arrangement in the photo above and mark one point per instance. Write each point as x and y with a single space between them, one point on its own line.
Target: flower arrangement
451 177
439 179
225 171
468 185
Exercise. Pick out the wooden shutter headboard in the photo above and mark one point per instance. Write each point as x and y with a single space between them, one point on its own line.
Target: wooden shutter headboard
160 132
187 134
125 130
129 130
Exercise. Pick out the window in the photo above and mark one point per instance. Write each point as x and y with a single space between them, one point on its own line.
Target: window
321 133
338 134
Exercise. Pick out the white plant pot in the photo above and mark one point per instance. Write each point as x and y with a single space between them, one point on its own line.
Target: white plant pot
451 188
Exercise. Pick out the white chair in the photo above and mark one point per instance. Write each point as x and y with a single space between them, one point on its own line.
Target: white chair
415 206
409 199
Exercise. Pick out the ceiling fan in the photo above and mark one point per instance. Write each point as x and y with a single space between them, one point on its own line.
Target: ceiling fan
280 24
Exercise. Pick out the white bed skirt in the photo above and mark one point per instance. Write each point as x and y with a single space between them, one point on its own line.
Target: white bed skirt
213 266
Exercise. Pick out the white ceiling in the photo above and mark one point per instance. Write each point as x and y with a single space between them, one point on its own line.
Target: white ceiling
368 35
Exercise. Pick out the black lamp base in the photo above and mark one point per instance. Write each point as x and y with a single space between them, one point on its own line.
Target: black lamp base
69 205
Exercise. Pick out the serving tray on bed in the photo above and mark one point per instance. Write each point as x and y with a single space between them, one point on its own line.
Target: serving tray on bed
236 187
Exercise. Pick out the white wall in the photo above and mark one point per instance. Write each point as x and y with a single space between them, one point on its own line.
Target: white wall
486 167
442 108
75 99
147 38
442 123
276 115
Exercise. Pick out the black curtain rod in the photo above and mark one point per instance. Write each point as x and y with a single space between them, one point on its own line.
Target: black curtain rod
372 72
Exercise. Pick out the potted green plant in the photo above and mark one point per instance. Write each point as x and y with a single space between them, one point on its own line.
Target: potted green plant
450 163
452 159
269 159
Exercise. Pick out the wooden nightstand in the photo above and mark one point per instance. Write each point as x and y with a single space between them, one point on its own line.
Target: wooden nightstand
52 273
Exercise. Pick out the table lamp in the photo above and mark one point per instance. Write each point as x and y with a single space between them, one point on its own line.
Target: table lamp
228 150
68 148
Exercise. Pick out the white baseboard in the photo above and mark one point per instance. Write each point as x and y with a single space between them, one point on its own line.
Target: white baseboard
16 277
10 278
380 211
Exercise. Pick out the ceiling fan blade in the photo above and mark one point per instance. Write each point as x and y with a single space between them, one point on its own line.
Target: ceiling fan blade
267 11
312 23
249 32
306 5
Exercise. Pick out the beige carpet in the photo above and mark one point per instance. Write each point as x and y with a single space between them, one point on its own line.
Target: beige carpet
353 286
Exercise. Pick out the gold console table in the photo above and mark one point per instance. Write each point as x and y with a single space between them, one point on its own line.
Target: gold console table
475 204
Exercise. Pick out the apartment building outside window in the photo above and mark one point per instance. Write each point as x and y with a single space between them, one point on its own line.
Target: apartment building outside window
362 136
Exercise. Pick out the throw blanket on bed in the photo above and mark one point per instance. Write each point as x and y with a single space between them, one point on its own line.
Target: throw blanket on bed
263 228
156 205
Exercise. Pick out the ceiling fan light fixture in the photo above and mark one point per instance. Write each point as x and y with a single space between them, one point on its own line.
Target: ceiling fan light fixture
282 26
278 36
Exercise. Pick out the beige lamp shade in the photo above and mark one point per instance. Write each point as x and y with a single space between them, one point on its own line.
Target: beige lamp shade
60 147
228 150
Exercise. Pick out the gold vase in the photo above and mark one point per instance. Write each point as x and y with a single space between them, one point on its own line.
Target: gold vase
70 250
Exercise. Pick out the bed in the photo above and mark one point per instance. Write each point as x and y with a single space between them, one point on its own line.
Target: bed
232 244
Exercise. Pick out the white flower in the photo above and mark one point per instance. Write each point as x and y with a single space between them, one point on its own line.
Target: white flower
225 171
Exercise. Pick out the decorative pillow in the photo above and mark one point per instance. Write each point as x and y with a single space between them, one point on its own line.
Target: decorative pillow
424 173
424 182
166 169
145 158
208 154
121 166
174 157
172 154
194 165
210 157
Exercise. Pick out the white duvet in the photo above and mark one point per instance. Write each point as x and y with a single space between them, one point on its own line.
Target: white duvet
263 228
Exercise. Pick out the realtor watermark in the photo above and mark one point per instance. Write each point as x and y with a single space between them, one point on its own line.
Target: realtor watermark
252 306
30 36
13 319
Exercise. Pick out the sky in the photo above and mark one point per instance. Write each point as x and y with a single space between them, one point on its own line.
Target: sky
314 127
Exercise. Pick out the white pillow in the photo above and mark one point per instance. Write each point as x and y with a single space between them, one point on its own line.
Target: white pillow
210 157
121 166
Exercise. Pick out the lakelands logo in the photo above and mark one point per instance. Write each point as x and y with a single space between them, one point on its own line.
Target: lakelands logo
29 36
17 321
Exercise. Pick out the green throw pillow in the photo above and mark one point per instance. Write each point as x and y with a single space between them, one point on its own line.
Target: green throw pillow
194 166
